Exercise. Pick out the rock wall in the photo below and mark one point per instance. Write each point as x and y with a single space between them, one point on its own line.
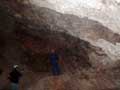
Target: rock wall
105 12
93 21
85 46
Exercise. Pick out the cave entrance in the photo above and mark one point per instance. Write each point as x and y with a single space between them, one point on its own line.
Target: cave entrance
73 52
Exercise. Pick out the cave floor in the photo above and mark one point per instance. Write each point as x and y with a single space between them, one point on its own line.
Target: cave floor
76 80
68 81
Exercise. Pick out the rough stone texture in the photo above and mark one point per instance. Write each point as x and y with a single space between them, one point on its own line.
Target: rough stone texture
103 11
86 46
95 22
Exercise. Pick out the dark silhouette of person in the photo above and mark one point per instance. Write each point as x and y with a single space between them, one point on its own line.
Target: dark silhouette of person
1 71
14 78
54 60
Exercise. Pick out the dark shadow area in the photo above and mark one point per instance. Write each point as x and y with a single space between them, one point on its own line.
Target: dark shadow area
68 47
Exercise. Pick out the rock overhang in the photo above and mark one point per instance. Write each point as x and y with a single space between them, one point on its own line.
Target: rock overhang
84 25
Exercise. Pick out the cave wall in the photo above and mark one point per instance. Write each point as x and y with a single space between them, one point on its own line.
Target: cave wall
84 45
90 28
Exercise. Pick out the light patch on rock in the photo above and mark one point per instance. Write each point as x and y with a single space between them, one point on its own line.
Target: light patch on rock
118 1
107 13
113 51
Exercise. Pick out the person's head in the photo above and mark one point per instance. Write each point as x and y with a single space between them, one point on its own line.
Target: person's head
15 66
52 50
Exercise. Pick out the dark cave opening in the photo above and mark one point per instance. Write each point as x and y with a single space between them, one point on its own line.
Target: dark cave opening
72 51
31 47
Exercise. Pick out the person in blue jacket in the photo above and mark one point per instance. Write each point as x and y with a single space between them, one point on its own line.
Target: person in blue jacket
54 60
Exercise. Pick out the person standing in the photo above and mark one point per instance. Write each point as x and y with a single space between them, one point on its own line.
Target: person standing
1 71
14 78
54 60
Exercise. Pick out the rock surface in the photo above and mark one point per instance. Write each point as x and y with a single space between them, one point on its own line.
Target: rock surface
96 22
84 33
